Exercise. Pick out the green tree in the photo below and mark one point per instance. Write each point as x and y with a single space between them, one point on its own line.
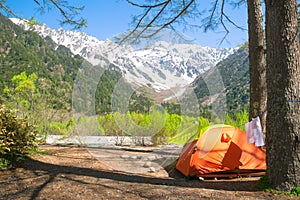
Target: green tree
23 94
31 102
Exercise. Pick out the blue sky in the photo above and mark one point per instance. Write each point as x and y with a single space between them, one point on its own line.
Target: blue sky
107 18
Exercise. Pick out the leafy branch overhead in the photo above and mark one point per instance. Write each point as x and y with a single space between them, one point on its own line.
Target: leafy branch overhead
70 13
156 16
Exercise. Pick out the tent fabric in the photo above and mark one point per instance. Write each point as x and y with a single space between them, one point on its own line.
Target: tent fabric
220 148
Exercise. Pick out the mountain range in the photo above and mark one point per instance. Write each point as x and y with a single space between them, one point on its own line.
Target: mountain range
161 65
160 71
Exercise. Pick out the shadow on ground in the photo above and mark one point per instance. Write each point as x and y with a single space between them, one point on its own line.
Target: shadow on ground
54 170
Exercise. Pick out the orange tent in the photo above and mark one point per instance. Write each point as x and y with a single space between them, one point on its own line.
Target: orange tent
221 149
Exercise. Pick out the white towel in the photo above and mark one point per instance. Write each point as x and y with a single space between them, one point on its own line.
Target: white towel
249 133
254 132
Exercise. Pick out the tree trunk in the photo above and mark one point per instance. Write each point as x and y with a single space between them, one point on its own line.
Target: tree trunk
257 63
283 85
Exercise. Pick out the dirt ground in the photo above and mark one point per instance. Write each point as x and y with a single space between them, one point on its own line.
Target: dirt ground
69 172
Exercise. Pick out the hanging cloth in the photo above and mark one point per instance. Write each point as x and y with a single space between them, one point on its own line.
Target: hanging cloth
254 132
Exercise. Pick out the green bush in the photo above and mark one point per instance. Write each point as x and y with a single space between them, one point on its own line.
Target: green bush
3 163
62 128
17 136
58 128
295 191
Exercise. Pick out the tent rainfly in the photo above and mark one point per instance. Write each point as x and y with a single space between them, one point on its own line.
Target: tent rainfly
221 150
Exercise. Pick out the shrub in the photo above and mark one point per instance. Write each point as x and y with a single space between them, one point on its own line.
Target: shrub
58 128
295 191
17 136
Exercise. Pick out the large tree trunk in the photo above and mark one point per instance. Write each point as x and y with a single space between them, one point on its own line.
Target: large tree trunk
283 77
257 63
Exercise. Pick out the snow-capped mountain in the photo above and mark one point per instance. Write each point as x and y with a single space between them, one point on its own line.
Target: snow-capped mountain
164 65
161 65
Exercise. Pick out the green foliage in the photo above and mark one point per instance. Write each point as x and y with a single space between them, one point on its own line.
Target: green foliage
3 163
162 127
27 101
36 150
166 127
172 108
71 123
138 102
62 128
25 82
108 125
105 88
295 191
58 128
17 136
237 119
192 129
263 183
22 95
140 119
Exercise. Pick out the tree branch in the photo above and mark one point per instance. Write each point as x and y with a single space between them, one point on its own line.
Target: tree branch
148 6
174 19
210 22
68 12
154 18
171 11
147 25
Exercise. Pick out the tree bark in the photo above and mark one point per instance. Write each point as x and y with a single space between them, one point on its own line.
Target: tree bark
283 77
257 63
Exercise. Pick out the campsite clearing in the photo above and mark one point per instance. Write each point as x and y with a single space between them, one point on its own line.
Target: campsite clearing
69 172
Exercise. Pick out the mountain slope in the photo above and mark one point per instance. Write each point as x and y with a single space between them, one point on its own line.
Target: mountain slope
26 51
234 72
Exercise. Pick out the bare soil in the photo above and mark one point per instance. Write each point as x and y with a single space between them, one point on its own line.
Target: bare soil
69 172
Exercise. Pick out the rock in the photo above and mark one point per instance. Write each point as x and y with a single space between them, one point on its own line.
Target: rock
151 157
133 157
124 156
152 169
147 164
